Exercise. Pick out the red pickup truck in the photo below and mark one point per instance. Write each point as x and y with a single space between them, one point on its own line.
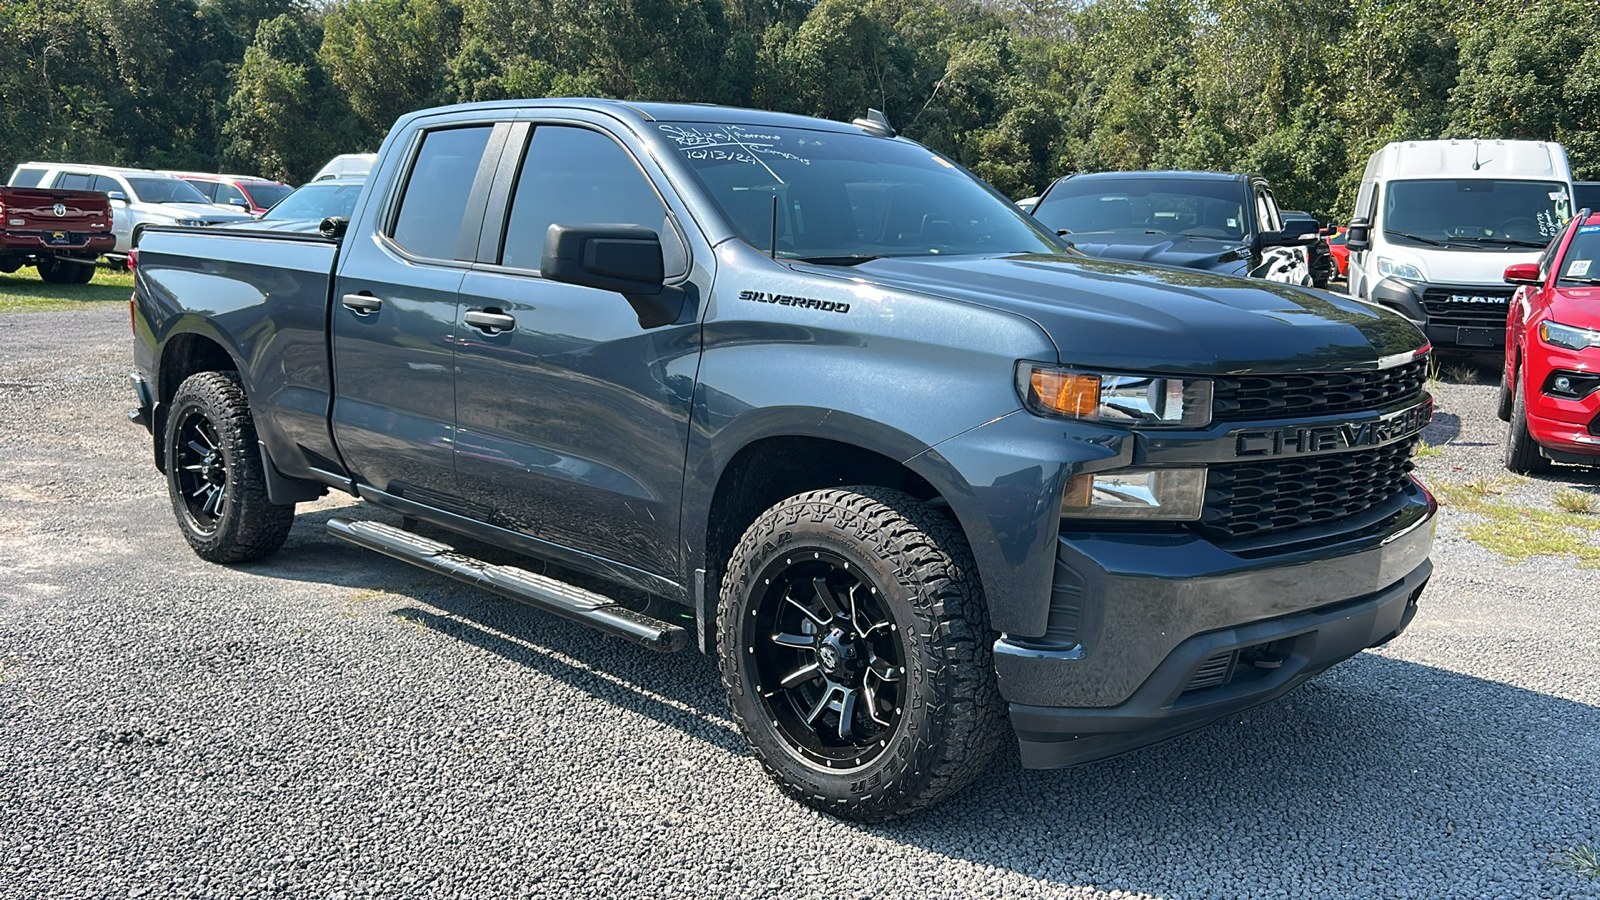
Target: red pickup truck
57 231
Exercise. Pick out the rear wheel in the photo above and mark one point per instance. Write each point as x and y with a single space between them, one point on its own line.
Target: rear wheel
214 474
1522 451
854 653
64 271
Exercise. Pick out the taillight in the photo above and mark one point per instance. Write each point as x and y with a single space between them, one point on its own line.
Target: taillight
131 325
133 259
2 209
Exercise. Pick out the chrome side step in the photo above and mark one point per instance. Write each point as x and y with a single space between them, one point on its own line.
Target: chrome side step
539 591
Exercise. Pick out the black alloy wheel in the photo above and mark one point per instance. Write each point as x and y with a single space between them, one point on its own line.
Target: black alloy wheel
827 659
852 636
215 475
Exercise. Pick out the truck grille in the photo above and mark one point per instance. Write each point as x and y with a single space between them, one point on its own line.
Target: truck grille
1315 393
1473 307
1257 498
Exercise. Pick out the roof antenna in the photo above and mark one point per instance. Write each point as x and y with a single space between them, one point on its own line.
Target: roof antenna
774 226
1476 147
875 122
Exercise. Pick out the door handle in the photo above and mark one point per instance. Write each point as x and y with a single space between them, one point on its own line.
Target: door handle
490 321
361 304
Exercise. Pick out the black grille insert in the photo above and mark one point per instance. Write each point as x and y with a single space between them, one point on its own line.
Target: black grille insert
1315 393
1473 307
1272 496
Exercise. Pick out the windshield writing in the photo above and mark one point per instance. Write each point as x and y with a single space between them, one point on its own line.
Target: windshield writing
847 197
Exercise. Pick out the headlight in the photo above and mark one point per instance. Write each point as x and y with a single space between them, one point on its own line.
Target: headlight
1388 268
192 223
1566 336
1134 400
1172 494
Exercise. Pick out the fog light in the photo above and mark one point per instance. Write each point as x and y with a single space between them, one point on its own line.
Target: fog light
1164 494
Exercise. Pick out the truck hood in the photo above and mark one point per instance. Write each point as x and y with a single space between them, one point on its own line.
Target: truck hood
1165 249
1130 317
204 211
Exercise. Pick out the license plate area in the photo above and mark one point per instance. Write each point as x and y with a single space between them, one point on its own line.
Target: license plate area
58 238
1478 337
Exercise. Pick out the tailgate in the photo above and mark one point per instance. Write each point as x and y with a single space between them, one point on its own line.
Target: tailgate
46 209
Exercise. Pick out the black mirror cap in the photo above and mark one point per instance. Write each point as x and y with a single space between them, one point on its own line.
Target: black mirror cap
622 258
1358 236
1286 239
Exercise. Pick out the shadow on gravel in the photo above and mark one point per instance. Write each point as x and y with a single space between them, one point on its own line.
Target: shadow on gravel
1379 766
1443 429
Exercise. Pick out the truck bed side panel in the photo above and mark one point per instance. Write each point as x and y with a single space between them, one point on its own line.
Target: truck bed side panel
264 299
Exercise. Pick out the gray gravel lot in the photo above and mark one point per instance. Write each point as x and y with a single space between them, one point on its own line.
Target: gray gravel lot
330 723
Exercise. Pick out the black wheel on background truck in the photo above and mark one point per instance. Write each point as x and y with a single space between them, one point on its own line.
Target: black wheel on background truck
855 655
214 475
1522 451
62 271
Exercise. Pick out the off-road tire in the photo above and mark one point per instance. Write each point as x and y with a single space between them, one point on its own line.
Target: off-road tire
1522 451
244 525
1503 403
949 717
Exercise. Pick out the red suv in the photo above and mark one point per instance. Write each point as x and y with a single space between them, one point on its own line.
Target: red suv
1550 389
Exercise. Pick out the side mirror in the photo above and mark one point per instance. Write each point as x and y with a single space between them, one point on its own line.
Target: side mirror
622 258
1285 239
1523 273
1358 236
116 196
239 201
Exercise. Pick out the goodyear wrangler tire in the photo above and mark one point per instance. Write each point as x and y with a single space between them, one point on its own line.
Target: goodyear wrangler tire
854 652
214 475
1522 451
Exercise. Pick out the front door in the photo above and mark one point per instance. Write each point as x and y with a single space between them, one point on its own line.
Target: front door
572 420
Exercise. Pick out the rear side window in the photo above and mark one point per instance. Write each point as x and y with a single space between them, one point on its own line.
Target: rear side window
70 181
28 177
437 191
573 176
208 188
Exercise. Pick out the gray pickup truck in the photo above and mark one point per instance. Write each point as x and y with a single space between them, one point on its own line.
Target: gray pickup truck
817 400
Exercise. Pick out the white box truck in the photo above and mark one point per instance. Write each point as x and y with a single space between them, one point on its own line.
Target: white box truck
1437 222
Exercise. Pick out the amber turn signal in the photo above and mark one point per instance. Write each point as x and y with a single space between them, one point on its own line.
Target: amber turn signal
1067 393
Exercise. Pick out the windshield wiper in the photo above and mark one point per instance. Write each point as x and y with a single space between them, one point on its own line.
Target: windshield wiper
1580 280
1415 237
1515 242
837 260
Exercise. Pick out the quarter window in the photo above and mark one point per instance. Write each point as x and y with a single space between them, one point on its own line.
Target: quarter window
576 176
436 194
26 177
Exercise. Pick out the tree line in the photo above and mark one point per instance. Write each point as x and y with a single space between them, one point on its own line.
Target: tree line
1021 91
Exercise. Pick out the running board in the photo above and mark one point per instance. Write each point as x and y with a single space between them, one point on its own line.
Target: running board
539 591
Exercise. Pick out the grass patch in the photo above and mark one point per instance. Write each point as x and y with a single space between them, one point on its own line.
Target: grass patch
1582 861
24 291
1462 373
1426 450
1581 502
1518 533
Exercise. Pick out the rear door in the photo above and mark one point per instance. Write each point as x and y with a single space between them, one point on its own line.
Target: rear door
572 419
394 313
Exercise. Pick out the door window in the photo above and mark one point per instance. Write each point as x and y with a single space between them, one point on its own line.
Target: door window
106 185
228 195
576 176
437 191
71 181
1266 212
207 188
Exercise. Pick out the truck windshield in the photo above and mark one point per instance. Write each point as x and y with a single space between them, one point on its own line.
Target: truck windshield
165 190
846 198
1582 263
1475 213
1211 209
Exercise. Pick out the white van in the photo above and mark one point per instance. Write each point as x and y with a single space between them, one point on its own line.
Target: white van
1437 222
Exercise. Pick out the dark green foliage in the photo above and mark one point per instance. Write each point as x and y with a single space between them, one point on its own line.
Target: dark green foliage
1021 91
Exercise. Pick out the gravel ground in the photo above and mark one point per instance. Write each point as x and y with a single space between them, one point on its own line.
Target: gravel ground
331 723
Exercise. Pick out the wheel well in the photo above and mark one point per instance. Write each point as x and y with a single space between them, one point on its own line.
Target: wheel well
184 355
773 469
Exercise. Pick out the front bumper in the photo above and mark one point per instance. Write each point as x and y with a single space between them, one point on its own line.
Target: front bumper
1466 317
1166 633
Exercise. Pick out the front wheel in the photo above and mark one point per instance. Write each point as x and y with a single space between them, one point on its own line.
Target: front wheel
214 473
1522 452
854 652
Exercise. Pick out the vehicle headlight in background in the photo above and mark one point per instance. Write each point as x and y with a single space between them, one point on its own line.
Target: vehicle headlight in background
1388 268
1171 494
1133 400
1559 335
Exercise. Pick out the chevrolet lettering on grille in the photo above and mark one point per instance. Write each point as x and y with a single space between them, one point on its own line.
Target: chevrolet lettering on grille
1330 438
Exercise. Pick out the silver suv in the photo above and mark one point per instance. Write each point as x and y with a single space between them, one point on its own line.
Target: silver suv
138 196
